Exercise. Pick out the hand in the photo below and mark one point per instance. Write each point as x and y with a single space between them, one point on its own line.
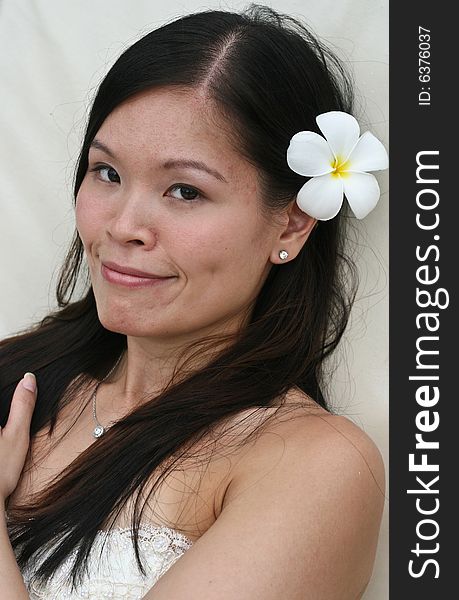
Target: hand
15 436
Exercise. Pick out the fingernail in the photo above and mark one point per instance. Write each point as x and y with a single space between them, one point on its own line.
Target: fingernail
29 382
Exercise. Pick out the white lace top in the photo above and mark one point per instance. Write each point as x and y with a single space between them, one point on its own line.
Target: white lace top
116 575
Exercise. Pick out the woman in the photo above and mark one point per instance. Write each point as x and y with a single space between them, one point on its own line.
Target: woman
176 410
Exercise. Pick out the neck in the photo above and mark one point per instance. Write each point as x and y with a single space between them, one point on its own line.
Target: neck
142 373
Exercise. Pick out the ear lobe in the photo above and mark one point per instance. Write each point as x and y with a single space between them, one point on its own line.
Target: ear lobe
294 235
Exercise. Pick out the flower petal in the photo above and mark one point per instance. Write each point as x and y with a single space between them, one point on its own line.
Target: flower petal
309 154
321 197
362 192
368 155
341 130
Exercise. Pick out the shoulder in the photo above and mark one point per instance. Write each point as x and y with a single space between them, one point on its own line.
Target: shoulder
307 493
335 454
302 428
307 441
326 477
301 435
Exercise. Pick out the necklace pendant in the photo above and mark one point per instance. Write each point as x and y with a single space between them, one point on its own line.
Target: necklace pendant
98 431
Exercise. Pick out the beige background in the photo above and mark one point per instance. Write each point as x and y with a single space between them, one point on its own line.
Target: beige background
53 55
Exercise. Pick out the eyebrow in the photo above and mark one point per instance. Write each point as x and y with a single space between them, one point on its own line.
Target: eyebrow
169 164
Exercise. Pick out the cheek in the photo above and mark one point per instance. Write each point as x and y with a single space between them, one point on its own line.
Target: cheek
88 215
82 204
207 240
227 246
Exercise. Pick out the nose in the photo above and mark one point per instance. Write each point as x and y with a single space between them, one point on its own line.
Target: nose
133 222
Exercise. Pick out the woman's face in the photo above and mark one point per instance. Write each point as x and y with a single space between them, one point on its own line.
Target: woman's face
171 197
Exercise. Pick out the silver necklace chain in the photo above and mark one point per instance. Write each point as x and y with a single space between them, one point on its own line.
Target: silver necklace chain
99 429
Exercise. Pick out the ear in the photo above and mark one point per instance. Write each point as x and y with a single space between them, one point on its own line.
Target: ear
294 234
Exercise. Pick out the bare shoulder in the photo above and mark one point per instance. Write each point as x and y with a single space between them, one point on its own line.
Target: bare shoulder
303 434
307 493
319 468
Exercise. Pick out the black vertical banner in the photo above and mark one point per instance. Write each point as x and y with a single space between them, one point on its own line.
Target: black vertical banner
424 267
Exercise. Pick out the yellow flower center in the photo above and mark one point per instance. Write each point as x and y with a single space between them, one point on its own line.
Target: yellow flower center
340 167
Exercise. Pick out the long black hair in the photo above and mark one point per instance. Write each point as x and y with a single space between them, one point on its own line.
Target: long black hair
270 77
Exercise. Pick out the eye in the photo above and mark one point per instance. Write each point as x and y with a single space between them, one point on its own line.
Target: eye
186 193
111 176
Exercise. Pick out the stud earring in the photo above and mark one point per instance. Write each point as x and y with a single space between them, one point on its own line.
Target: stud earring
283 254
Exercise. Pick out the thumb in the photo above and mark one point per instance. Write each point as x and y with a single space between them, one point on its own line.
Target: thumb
22 406
29 382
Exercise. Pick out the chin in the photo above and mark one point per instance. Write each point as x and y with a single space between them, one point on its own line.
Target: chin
113 319
138 327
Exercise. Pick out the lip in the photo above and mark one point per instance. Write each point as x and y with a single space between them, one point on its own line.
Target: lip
130 271
130 277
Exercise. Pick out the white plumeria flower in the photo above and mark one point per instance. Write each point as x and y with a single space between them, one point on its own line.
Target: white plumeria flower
337 165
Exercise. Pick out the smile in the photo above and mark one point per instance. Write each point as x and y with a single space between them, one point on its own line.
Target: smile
132 281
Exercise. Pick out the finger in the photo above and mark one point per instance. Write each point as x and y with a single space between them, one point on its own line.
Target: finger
22 406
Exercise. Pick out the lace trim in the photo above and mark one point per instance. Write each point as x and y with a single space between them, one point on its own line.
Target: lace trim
153 533
113 570
152 530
